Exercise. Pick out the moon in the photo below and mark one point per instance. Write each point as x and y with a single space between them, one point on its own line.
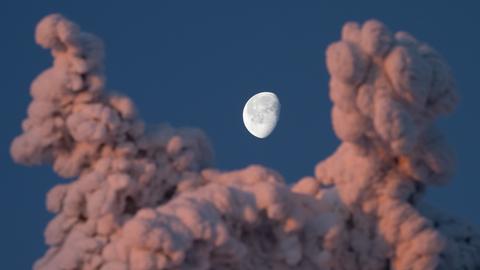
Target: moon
261 113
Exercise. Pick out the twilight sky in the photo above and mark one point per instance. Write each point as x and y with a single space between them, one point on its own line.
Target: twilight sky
195 63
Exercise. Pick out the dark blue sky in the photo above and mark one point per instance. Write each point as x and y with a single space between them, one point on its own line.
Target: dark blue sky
195 63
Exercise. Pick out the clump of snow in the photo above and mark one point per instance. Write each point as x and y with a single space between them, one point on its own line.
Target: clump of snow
387 91
145 199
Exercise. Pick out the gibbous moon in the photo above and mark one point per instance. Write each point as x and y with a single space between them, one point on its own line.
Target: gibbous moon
261 113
